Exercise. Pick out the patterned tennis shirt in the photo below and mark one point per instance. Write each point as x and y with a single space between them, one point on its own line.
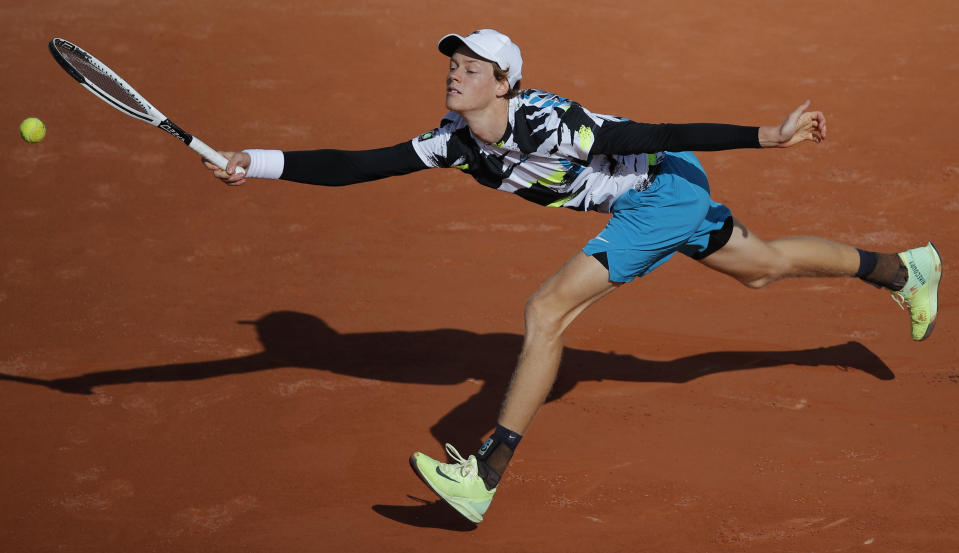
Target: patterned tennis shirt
546 156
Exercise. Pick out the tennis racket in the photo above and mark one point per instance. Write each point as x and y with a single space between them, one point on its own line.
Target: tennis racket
99 79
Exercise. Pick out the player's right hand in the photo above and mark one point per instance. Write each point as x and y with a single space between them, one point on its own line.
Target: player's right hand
231 176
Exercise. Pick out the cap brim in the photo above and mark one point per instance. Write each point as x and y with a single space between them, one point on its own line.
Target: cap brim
449 43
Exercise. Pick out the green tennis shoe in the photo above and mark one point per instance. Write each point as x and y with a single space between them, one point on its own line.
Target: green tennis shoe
920 295
459 483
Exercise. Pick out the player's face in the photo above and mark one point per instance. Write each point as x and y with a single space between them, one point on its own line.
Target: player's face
470 83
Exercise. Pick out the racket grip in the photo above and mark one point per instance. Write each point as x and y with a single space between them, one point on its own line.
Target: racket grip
211 155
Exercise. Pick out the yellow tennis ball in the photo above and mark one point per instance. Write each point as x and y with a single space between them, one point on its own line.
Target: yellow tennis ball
32 129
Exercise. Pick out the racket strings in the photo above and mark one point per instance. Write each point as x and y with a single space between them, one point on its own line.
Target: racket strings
103 80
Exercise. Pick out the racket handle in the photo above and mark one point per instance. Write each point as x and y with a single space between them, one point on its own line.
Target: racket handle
211 155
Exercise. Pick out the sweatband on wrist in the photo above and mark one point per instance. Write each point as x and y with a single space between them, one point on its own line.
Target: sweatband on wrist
265 164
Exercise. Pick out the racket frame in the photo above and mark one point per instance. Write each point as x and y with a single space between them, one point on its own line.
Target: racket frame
152 116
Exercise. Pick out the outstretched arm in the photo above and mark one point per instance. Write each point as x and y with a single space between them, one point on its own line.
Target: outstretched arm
630 137
321 167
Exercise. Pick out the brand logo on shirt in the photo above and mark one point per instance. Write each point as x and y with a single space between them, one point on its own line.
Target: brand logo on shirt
427 136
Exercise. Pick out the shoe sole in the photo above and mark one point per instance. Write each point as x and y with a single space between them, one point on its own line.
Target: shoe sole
934 293
464 509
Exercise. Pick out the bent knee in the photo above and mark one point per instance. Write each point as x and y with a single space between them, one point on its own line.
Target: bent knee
543 315
765 275
757 282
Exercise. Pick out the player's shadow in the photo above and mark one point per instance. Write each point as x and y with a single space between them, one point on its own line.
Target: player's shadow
449 357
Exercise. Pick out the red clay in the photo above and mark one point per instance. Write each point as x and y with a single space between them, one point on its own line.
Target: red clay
194 367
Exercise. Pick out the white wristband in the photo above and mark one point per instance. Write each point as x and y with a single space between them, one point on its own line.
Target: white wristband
265 164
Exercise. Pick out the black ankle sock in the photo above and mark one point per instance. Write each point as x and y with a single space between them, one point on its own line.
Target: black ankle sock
867 263
495 455
882 270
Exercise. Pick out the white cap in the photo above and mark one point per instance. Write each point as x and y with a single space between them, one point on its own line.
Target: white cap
490 45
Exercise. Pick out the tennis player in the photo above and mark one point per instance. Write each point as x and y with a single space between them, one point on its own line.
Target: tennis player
554 152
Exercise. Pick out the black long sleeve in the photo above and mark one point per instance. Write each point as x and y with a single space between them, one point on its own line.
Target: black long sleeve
630 137
343 167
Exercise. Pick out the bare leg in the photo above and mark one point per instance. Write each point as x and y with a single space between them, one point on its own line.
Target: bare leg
579 283
582 281
756 263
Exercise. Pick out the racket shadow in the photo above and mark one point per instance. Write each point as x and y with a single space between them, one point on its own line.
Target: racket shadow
450 357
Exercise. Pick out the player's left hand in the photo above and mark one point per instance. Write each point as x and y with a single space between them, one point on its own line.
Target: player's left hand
799 126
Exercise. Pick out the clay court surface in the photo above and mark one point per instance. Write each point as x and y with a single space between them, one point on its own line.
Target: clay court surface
192 367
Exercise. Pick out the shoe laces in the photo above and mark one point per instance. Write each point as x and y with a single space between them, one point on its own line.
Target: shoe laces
902 301
466 467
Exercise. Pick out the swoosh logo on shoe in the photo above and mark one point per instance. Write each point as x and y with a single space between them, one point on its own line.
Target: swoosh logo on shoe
445 476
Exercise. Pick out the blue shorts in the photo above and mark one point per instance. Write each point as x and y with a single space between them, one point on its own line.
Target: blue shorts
674 214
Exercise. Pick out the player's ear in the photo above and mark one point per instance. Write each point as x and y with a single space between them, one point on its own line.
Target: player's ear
502 87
